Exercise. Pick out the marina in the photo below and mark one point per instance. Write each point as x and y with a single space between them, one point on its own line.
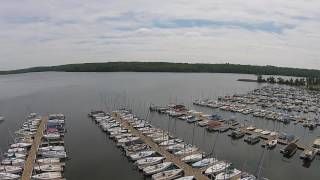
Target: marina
139 133
27 157
82 136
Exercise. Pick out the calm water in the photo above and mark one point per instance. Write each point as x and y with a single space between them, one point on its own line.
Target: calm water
94 156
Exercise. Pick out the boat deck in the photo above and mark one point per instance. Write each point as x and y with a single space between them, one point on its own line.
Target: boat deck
188 170
28 166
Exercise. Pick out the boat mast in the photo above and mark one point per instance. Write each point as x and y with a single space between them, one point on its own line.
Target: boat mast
259 170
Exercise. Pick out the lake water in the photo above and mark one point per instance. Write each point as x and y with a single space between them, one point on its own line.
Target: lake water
94 156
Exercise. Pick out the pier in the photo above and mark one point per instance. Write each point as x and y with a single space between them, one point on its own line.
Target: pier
188 170
268 137
29 164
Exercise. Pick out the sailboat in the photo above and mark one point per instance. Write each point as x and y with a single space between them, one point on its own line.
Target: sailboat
47 176
229 174
11 169
204 162
157 168
149 161
9 176
168 175
186 151
192 158
49 168
141 154
217 168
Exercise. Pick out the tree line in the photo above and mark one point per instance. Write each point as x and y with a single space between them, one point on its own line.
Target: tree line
312 83
172 67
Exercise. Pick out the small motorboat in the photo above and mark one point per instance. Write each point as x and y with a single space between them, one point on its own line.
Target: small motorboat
141 154
204 162
229 174
47 176
309 154
168 175
192 158
272 143
289 150
217 168
157 168
9 176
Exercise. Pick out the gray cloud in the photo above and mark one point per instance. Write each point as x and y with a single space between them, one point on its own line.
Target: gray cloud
265 32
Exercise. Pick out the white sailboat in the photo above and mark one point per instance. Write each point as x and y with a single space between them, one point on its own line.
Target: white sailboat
47 176
157 168
217 168
49 168
204 162
54 154
168 175
11 169
52 148
8 176
149 161
186 151
229 174
52 136
141 154
186 178
192 158
48 160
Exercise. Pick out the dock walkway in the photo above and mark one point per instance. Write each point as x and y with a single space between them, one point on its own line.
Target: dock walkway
188 170
28 166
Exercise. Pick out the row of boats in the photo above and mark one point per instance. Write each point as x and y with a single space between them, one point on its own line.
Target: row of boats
46 165
148 160
12 163
287 99
215 123
51 155
283 117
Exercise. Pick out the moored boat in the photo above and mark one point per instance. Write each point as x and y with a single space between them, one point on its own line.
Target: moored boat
47 176
168 175
157 168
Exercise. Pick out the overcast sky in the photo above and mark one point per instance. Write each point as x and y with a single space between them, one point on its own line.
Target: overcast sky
260 32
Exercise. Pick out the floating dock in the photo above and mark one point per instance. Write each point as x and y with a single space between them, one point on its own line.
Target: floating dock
268 137
188 170
28 166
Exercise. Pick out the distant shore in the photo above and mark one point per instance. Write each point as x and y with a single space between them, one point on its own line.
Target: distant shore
172 67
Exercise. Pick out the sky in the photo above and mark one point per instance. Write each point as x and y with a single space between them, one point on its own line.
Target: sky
259 32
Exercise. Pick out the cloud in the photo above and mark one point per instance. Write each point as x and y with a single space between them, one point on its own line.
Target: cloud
276 32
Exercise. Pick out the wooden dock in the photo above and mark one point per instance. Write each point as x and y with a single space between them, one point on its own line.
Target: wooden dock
188 170
268 137
29 164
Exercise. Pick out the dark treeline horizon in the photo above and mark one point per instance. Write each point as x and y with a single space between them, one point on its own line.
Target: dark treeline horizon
172 67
